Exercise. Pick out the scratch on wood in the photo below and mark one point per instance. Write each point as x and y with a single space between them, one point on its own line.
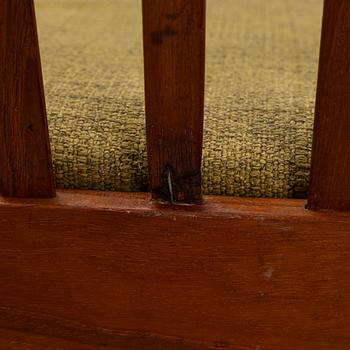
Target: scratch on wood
158 36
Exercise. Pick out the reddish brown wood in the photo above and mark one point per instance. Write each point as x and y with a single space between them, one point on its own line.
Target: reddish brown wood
330 171
25 159
116 271
174 45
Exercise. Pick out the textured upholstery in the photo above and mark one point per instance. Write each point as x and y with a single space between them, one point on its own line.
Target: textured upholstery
260 90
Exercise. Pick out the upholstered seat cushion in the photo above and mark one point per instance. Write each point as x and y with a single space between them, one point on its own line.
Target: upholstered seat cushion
260 90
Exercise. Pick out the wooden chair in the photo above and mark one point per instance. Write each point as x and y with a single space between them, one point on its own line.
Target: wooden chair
97 270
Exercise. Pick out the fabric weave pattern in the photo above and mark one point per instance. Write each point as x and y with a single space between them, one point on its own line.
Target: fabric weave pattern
261 71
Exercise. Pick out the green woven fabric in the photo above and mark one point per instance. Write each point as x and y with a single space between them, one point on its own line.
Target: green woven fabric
260 90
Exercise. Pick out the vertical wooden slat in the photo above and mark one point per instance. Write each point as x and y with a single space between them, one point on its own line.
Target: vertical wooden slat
25 159
174 48
330 169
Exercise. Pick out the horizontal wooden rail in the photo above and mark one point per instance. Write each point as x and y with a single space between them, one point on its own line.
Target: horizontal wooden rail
25 158
174 45
115 271
330 170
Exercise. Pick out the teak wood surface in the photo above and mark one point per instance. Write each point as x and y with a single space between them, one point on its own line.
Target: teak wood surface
330 170
91 270
25 158
174 47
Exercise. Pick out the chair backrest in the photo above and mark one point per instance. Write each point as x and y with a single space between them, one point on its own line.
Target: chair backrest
174 57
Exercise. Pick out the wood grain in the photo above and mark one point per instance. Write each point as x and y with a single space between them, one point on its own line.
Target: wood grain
174 47
116 271
25 159
330 170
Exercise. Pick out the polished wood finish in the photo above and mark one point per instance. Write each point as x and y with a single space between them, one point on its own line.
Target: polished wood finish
174 46
330 171
25 159
88 270
93 270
